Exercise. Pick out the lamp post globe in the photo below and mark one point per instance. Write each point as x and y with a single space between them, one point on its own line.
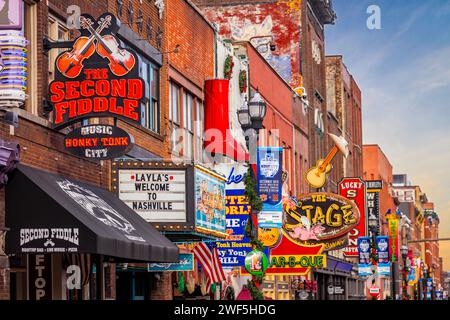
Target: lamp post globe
257 110
244 116
404 252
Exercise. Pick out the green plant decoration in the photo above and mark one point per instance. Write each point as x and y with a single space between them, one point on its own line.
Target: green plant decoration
255 206
229 293
228 67
243 81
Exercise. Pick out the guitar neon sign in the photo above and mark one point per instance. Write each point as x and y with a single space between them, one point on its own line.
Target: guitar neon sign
96 78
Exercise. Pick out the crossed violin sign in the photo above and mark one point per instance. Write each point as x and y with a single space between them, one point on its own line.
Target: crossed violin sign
71 63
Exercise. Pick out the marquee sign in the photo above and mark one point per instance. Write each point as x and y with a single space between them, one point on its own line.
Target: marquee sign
188 200
156 195
97 77
98 142
354 189
320 218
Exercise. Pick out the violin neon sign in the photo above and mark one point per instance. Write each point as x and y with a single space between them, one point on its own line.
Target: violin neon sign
96 78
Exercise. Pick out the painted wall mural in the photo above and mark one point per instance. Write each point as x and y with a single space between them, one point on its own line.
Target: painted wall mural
274 30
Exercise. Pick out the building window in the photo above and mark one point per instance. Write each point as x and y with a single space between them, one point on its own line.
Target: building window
199 129
174 117
188 127
57 31
150 111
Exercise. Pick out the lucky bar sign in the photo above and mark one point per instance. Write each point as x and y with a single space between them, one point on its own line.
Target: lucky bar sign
96 77
354 189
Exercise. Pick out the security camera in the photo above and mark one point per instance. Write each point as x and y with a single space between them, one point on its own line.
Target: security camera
273 47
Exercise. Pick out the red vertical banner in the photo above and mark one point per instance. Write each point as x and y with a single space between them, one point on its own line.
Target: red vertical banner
355 189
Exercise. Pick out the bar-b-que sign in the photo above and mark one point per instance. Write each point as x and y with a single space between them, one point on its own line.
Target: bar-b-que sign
97 78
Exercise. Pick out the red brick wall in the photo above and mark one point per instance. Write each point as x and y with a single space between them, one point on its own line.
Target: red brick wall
163 289
314 79
377 167
42 147
187 27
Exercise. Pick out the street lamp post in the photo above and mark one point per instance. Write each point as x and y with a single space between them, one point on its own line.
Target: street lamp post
251 116
424 271
404 252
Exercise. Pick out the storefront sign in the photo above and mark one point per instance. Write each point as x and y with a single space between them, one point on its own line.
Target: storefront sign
429 287
296 261
96 78
374 185
384 266
156 195
209 200
256 262
39 277
382 249
49 240
354 189
373 212
11 14
269 237
339 290
374 291
412 276
233 250
320 218
186 264
98 142
270 168
405 194
364 256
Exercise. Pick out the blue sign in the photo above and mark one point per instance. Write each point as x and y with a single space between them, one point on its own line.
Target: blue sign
269 168
384 265
382 249
234 249
412 274
186 264
364 250
364 267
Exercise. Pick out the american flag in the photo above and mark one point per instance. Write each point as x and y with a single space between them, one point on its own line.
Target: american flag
210 262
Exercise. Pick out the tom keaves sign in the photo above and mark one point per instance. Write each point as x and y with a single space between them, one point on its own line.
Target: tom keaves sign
156 195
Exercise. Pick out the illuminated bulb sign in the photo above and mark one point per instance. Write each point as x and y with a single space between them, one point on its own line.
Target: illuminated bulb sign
97 78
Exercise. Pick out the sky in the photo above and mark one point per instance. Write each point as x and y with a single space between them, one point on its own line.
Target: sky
403 70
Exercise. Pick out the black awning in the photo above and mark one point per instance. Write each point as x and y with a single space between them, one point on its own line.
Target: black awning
52 214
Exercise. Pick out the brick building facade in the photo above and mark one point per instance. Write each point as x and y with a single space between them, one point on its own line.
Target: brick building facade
144 28
345 117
